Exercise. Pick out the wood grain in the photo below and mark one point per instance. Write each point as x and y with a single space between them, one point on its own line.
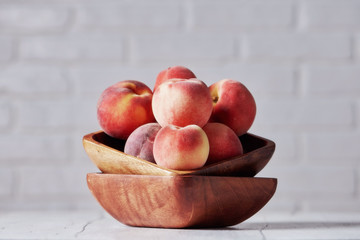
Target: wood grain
180 201
107 154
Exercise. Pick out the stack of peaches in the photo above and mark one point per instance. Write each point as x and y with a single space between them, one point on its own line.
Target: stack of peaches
182 124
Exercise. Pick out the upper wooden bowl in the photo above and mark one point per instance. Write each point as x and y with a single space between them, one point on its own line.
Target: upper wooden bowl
180 201
107 154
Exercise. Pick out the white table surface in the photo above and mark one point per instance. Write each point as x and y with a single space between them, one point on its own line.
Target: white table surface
99 225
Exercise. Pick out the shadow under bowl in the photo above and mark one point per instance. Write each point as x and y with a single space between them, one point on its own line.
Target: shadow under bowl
180 201
107 154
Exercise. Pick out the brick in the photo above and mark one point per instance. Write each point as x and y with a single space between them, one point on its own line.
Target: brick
304 113
55 115
20 18
231 14
51 203
334 147
84 114
357 183
333 80
290 46
316 15
90 81
339 204
6 48
357 114
266 79
287 148
7 183
130 16
308 182
27 79
5 114
27 149
49 114
280 204
66 180
260 79
315 218
357 46
190 47
72 47
80 156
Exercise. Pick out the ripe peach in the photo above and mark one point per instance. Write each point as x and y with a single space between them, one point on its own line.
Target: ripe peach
181 148
182 102
173 72
224 143
123 107
141 140
233 105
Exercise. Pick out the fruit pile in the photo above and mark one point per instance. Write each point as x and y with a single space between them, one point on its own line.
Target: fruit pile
182 124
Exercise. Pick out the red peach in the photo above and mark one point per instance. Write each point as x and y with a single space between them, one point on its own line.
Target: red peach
182 102
181 148
224 143
173 72
141 140
234 105
123 107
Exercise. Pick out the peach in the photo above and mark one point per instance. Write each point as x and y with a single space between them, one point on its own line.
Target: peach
141 140
173 72
181 148
233 105
182 102
123 107
224 143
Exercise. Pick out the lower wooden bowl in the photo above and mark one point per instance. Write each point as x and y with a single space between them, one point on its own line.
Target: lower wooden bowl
180 201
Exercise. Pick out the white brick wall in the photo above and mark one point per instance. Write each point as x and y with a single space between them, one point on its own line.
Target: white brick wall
129 16
74 47
263 79
32 18
324 15
357 47
305 114
5 115
337 148
189 47
242 14
298 46
6 48
25 148
7 183
34 80
300 59
324 80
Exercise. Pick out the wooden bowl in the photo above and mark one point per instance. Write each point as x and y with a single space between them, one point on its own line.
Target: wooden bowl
107 154
180 201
